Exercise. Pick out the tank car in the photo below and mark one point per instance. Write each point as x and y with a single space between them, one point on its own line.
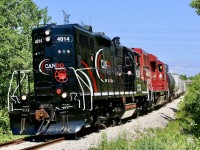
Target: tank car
171 83
79 78
180 86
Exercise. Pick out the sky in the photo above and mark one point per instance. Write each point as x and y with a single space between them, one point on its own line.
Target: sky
169 29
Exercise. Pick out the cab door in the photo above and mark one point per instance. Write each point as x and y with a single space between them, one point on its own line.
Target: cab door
129 71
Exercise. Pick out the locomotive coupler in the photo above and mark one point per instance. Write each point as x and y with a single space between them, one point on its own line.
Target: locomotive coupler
41 114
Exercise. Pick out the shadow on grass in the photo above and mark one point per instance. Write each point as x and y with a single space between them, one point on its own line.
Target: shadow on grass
166 117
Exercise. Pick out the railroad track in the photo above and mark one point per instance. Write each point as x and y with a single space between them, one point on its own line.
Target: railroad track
17 141
38 146
47 140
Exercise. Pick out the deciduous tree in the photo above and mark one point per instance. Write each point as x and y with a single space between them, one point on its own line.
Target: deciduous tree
190 108
196 4
17 19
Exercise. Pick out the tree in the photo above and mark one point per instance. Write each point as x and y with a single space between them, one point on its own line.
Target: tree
183 77
190 108
196 4
17 19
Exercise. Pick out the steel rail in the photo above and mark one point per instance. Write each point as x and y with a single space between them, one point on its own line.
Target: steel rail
44 144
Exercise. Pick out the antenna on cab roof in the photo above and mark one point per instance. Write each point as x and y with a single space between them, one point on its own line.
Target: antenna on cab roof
66 17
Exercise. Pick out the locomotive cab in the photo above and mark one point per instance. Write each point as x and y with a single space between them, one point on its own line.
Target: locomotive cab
159 80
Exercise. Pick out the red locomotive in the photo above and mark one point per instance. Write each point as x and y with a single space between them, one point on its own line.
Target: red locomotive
82 78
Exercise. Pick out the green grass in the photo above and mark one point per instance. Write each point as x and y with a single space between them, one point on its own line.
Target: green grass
5 133
9 137
170 138
120 143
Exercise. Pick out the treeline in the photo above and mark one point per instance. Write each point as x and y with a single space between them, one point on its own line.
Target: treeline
189 114
17 19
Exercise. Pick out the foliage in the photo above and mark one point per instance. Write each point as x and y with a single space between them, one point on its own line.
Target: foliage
5 133
169 138
196 4
183 77
9 137
191 78
121 142
189 113
4 122
17 19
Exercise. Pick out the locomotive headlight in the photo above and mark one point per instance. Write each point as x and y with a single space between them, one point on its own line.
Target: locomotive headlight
64 95
24 97
48 38
129 73
47 32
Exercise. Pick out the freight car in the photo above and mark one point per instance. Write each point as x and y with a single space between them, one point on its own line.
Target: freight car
180 86
82 78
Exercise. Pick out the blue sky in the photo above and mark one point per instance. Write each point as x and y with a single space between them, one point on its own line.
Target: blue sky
169 29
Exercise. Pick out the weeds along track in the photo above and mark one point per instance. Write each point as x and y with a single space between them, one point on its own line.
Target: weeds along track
17 141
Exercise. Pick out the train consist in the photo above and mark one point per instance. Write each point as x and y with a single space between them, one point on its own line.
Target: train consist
82 78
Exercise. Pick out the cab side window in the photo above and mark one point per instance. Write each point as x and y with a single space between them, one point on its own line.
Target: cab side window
153 66
128 60
160 67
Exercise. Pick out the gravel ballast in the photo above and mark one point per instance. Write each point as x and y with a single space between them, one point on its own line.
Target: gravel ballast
155 119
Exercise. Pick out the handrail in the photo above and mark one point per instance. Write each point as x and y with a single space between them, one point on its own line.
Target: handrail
10 85
88 86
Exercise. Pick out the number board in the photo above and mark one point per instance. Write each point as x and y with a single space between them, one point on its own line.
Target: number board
64 38
38 41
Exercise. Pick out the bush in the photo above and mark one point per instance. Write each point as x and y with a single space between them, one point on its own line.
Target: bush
4 122
189 113
170 138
